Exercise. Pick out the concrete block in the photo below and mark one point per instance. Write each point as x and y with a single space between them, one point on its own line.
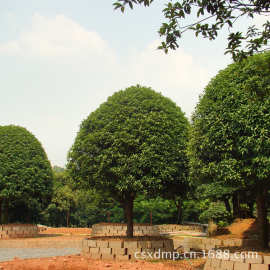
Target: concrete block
168 244
228 243
227 265
218 242
215 263
209 246
207 241
256 259
119 251
177 243
256 266
103 244
85 249
206 267
208 262
122 257
130 244
91 243
105 250
132 251
144 244
241 266
200 247
94 250
266 259
116 244
157 244
235 257
238 242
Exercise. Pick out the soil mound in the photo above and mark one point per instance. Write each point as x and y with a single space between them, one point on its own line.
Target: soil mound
240 228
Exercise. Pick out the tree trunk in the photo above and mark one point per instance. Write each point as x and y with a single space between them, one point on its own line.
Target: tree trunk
262 217
236 206
227 205
125 211
179 212
1 212
250 209
67 218
129 216
5 217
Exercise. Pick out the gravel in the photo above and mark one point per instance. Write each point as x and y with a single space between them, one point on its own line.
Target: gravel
7 254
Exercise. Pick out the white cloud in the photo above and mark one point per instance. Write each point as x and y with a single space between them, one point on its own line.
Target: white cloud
175 69
56 37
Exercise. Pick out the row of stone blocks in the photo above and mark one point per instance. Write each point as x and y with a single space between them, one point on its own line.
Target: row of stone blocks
102 229
120 230
124 233
123 249
249 261
201 243
176 228
18 231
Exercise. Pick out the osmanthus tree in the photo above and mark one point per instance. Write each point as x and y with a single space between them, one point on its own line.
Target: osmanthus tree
132 144
230 137
212 17
25 175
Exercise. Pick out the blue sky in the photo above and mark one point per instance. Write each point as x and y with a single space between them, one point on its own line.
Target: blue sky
60 59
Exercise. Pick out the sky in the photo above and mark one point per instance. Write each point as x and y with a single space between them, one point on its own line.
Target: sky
60 59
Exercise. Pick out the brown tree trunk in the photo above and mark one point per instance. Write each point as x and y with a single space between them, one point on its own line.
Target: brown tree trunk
129 216
227 205
67 218
236 206
179 212
262 217
1 213
250 209
5 216
124 211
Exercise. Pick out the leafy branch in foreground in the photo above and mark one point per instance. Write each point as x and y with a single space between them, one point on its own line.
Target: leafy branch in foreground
212 17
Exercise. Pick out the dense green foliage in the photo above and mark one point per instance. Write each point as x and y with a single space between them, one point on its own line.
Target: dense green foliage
230 138
132 144
25 176
88 207
212 16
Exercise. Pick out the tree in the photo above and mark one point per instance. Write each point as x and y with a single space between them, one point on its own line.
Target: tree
25 175
132 144
162 211
64 196
231 129
212 17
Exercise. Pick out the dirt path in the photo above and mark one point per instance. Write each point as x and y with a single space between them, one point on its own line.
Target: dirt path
81 263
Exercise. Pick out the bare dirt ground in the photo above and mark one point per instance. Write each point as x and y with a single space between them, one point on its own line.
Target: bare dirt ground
241 229
82 263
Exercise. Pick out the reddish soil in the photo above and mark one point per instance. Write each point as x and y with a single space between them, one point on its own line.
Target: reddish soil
81 263
71 231
241 228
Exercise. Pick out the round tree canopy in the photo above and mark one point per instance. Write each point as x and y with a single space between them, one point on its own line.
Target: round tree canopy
135 142
230 139
25 172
